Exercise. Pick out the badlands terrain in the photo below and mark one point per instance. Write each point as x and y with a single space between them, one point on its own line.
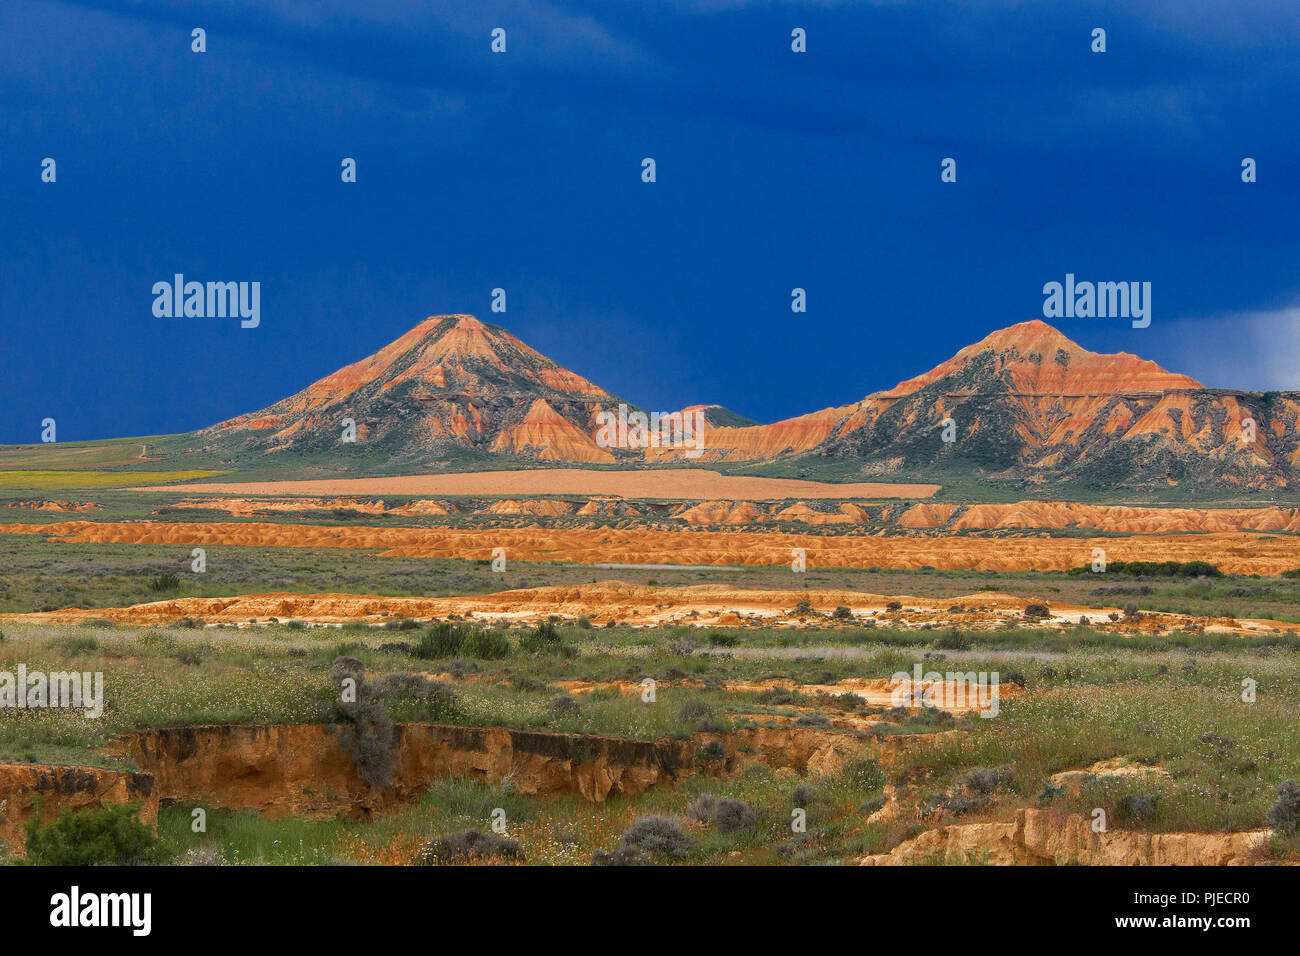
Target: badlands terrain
478 636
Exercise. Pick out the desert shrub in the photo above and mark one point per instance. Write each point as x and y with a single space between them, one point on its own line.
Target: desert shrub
191 656
951 640
459 669
371 739
841 613
804 796
894 606
713 750
776 696
105 836
683 646
1049 793
422 698
1037 611
657 836
812 720
1284 816
564 704
984 780
544 637
164 582
487 644
1219 742
725 813
1136 807
622 856
470 844
76 643
930 717
955 804
693 711
970 792
444 639
1158 569
1131 610
800 849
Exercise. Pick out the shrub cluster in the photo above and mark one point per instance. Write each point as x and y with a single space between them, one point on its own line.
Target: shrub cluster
647 839
446 639
105 836
724 813
469 844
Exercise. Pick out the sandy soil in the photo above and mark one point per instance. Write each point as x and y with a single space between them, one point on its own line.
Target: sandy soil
671 483
705 605
1234 553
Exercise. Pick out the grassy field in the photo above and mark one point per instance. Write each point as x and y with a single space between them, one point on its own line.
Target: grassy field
69 480
48 576
1176 704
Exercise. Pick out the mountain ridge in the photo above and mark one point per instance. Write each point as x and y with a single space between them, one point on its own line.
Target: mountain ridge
1025 404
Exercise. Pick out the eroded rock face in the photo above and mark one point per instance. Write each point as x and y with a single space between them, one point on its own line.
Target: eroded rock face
1232 552
1052 838
452 382
310 770
56 789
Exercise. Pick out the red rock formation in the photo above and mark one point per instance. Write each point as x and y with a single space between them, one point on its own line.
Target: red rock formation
450 383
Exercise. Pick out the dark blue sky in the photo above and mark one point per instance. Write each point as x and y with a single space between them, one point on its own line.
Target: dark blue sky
522 170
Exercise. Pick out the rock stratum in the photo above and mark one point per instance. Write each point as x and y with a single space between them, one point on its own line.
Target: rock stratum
1027 406
449 385
1232 553
1052 838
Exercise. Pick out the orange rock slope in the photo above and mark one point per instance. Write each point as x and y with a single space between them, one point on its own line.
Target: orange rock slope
1027 404
1234 553
1040 407
937 517
450 382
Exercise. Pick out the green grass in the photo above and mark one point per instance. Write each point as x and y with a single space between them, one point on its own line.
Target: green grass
1172 701
73 480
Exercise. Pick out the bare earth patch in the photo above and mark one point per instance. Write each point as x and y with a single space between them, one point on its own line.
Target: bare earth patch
666 483
704 605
